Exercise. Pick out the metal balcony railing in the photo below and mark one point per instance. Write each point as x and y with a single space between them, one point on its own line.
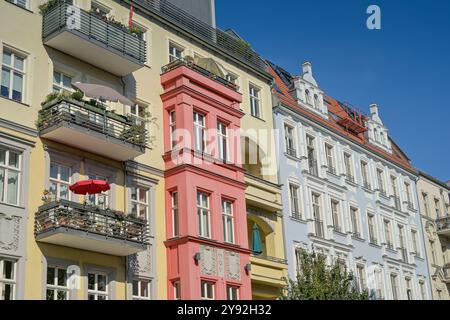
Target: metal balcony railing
92 118
226 42
296 215
93 27
191 65
443 223
269 258
291 151
87 218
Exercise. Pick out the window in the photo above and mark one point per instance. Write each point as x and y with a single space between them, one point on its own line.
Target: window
433 252
176 290
99 10
203 214
423 291
222 141
409 293
295 201
308 97
426 204
175 52
365 175
372 229
289 140
228 221
401 243
415 243
361 274
355 222
395 192
388 234
175 214
335 215
230 77
379 284
138 113
232 293
380 180
13 74
437 208
173 128
255 102
317 102
97 286
311 150
20 3
139 202
394 286
101 199
10 163
317 215
141 289
61 83
348 167
57 284
207 289
199 132
330 158
7 279
298 259
408 195
60 177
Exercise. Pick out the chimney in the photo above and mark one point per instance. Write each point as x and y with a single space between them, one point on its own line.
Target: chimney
373 109
307 68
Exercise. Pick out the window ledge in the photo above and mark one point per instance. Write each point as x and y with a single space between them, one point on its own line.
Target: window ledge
340 233
16 5
258 118
298 220
375 245
292 157
12 205
358 239
12 100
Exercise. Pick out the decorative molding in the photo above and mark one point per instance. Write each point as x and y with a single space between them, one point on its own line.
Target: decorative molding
9 232
208 261
233 265
19 128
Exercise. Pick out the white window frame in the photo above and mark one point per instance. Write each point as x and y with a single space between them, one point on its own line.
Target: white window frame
348 166
12 282
227 217
16 2
58 182
11 69
222 141
55 287
205 285
199 132
174 198
329 150
394 286
232 292
60 87
202 212
335 214
173 128
95 292
361 277
96 197
365 174
415 242
380 180
255 101
176 290
139 282
423 290
316 200
289 139
176 52
372 228
6 168
294 200
354 219
388 234
138 203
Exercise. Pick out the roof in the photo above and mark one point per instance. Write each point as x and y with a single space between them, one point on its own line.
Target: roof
338 114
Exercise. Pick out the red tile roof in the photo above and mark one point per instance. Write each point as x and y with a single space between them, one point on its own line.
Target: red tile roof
336 108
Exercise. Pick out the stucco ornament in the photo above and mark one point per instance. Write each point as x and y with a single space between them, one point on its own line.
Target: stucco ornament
431 230
9 232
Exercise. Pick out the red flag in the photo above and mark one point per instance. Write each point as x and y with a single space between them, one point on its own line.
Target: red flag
130 20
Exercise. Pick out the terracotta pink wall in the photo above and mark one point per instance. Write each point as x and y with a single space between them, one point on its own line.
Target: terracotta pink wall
186 91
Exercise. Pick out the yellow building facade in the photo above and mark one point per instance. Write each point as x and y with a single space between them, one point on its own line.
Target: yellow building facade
48 143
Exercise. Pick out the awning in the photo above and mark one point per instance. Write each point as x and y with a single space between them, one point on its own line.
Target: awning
100 92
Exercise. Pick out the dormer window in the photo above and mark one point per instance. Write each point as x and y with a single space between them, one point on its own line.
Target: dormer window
308 97
379 133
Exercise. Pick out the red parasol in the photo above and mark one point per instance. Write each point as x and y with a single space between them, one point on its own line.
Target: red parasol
89 187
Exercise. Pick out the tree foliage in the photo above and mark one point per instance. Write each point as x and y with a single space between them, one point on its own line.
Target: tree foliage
319 281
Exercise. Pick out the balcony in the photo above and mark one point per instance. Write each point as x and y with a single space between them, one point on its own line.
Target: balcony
268 276
101 43
86 227
91 128
443 226
191 65
446 270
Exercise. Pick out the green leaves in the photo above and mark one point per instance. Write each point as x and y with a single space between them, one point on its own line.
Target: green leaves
319 281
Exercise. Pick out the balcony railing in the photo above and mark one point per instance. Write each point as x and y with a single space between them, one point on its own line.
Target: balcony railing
446 270
91 228
269 258
191 65
292 152
331 170
313 170
443 225
296 215
390 246
120 45
234 46
319 228
73 114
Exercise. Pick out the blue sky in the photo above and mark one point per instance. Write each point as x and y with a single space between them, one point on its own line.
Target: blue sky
404 67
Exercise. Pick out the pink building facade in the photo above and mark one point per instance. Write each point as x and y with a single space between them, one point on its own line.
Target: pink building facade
207 243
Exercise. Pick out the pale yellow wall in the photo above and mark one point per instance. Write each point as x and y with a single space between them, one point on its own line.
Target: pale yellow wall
433 191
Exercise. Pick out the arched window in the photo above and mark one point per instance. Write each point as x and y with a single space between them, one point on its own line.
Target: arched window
316 102
308 96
